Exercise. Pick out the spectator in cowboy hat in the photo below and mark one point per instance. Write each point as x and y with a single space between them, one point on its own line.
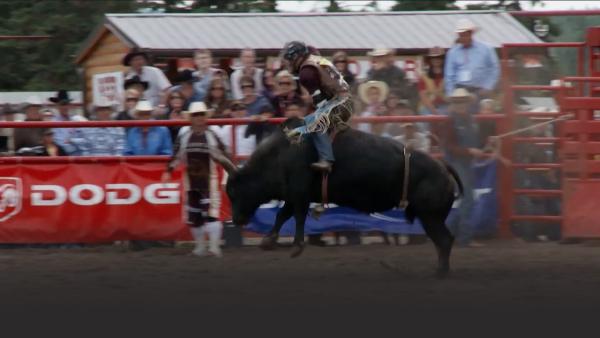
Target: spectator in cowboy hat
132 97
384 69
373 95
396 106
461 148
136 83
197 146
102 141
147 140
30 137
66 137
471 64
431 84
186 86
138 61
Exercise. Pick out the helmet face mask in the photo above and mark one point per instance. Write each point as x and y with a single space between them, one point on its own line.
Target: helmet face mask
293 53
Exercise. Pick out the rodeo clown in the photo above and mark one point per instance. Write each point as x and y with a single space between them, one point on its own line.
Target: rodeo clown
330 96
199 148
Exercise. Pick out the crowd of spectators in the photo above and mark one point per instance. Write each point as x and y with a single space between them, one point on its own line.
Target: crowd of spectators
458 83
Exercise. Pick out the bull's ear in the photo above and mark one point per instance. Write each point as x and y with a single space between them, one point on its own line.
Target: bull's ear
224 161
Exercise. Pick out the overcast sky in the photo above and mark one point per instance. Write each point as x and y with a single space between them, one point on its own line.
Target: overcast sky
306 6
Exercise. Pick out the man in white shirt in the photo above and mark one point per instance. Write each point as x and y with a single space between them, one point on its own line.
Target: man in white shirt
248 58
157 81
244 145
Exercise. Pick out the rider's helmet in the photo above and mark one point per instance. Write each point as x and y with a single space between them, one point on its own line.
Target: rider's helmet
294 53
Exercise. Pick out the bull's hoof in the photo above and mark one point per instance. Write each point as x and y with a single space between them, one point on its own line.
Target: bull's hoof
268 243
297 249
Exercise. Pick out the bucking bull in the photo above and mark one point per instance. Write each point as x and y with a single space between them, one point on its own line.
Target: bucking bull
368 176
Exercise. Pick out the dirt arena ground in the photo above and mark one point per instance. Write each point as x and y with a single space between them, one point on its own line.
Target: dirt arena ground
504 274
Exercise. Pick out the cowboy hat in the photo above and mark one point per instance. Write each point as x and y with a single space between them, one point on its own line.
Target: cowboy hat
196 108
464 25
380 51
460 95
435 52
133 53
144 105
33 101
364 88
62 97
135 80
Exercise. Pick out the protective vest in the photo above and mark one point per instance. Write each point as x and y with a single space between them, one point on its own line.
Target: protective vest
332 81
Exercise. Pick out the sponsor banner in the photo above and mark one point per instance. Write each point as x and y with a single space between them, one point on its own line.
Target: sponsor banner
484 215
89 202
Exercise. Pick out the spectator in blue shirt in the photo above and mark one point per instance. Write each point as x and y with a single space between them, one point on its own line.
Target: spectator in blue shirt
147 140
259 109
109 141
471 64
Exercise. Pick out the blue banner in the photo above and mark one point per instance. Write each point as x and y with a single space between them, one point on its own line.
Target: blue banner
484 216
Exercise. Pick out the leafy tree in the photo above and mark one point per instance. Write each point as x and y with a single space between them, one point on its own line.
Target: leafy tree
48 64
432 5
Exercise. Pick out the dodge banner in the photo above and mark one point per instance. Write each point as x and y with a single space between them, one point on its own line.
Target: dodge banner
88 202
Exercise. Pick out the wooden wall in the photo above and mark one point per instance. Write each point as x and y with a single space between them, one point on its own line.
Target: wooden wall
105 57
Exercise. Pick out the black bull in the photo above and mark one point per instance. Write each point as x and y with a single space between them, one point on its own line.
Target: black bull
367 176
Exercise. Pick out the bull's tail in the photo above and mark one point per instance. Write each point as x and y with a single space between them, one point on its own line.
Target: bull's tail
456 178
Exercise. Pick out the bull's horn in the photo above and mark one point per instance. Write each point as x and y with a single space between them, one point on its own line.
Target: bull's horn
224 161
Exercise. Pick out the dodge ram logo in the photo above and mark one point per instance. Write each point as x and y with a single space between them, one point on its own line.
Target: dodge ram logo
11 193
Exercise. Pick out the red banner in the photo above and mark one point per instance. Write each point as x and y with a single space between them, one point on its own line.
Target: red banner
89 202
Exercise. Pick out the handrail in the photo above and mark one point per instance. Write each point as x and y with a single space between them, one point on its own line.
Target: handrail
226 121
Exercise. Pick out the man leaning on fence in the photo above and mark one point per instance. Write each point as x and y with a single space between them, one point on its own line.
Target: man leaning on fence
102 141
461 142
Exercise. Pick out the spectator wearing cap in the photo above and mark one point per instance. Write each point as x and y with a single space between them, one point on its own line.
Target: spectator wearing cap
66 137
286 92
340 61
7 135
383 69
244 144
147 140
461 148
30 137
373 95
248 69
105 141
216 99
471 64
204 74
431 84
138 61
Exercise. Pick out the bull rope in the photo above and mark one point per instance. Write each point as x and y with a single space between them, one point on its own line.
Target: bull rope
494 145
